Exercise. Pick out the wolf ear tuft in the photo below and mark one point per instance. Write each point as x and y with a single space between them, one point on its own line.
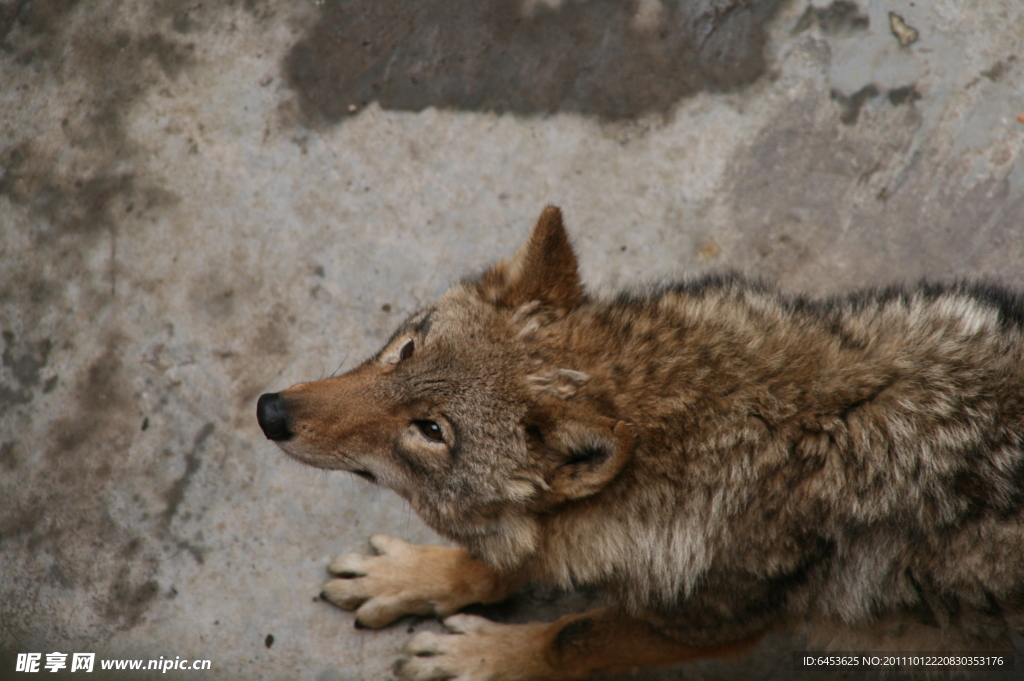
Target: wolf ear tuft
588 456
544 269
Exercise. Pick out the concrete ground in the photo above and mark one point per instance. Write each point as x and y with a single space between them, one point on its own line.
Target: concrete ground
203 201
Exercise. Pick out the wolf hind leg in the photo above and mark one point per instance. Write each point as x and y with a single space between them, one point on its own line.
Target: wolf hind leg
603 641
412 579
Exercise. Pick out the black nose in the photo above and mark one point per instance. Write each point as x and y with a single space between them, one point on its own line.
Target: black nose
273 417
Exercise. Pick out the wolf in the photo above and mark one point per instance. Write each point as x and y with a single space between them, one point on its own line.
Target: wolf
722 459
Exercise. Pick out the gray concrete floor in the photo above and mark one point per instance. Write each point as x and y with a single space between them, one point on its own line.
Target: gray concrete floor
200 202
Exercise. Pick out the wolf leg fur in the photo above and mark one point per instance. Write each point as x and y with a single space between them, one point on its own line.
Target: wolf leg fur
603 641
412 579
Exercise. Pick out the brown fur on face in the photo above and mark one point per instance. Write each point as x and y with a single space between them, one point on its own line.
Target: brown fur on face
723 458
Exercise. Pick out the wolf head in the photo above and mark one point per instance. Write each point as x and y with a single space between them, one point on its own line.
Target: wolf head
480 410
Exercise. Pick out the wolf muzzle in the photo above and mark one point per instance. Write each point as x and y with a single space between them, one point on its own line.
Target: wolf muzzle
273 417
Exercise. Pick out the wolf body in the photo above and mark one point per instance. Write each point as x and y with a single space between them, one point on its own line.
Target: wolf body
723 459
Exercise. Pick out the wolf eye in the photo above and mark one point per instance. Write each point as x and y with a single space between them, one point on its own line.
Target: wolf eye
407 350
430 430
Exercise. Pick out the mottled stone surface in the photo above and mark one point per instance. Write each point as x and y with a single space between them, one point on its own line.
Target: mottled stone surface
200 202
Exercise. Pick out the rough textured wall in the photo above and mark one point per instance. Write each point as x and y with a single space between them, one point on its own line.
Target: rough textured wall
203 201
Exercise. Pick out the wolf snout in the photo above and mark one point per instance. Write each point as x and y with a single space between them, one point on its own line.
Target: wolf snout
273 417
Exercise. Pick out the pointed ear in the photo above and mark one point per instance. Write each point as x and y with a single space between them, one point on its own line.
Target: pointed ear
586 456
544 268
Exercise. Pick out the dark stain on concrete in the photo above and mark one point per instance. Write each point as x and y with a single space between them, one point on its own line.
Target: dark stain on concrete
787 188
22 520
128 601
188 16
197 552
171 56
8 459
10 397
176 494
71 173
38 18
272 338
598 57
102 396
68 204
88 196
9 14
57 575
131 548
214 297
803 197
907 94
25 363
841 16
70 178
999 69
22 361
850 105
62 514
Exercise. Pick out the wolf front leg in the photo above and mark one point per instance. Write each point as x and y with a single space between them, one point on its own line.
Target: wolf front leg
412 579
603 641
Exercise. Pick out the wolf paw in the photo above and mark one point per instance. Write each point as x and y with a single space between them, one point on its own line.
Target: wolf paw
477 650
407 579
